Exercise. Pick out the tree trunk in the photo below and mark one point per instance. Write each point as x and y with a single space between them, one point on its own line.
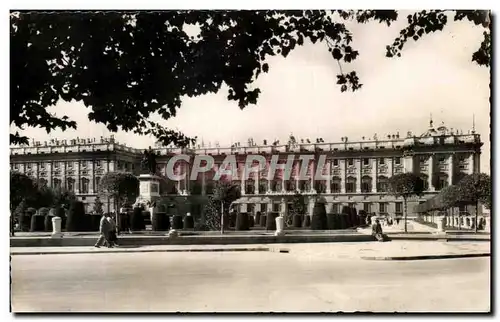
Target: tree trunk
405 215
222 218
117 218
477 210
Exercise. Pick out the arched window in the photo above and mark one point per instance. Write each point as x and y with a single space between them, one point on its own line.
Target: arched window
290 185
382 184
366 184
70 184
84 182
263 184
336 185
350 185
320 186
56 183
249 187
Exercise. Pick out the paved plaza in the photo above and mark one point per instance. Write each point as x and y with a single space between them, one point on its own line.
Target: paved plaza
305 280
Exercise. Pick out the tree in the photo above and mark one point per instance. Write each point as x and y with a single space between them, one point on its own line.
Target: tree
98 206
123 187
63 198
22 187
473 189
298 207
225 193
406 185
127 66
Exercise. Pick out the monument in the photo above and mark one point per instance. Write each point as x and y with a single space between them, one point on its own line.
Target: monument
149 182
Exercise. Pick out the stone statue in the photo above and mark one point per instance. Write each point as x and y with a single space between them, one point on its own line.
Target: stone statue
149 161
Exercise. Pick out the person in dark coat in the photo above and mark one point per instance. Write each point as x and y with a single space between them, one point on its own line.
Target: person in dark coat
104 228
377 230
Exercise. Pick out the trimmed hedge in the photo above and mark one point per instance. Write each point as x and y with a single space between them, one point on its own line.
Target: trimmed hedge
307 221
257 218
47 223
251 220
343 219
188 222
331 221
232 219
95 221
43 211
177 222
147 218
76 217
24 221
271 221
262 221
37 223
242 221
319 220
160 221
137 219
297 221
124 219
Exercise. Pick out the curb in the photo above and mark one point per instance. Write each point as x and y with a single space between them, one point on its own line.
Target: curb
199 250
410 258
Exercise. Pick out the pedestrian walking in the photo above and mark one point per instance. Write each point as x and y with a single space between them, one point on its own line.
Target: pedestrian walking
104 228
112 237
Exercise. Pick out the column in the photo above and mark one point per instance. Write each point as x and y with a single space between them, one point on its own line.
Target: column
408 163
242 181
92 180
451 165
310 206
77 170
342 163
283 206
203 184
431 172
470 164
256 183
374 175
313 173
358 165
329 180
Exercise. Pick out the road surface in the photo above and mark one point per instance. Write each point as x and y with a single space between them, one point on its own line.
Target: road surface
245 282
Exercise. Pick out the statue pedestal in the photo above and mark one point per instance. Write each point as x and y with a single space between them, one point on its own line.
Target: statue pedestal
149 189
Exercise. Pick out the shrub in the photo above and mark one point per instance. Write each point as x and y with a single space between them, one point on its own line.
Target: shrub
95 221
331 221
147 218
188 222
177 222
251 220
262 221
47 223
76 219
271 221
30 211
43 211
319 220
37 223
137 219
232 219
343 221
242 221
257 218
87 222
307 221
297 221
345 210
159 222
24 221
124 219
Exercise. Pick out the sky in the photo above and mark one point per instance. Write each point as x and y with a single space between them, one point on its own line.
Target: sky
299 95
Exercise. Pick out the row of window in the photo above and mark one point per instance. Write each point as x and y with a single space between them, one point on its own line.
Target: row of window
303 185
366 161
83 164
336 207
70 184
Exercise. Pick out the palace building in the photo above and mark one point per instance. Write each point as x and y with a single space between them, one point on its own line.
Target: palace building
357 172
